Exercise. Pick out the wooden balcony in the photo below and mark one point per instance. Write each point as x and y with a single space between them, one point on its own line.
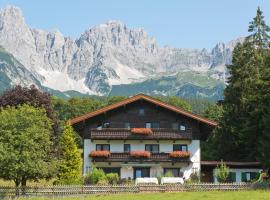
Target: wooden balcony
126 134
125 157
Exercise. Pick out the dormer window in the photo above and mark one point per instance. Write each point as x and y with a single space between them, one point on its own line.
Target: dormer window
141 112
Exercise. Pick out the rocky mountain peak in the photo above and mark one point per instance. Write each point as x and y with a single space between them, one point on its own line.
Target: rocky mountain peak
105 55
11 13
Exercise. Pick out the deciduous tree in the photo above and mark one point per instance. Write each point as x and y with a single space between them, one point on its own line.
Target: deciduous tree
25 144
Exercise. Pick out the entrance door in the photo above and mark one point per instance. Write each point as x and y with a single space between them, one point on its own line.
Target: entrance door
141 172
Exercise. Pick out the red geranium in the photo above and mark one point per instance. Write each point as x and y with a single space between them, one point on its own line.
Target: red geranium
141 131
140 154
180 154
99 154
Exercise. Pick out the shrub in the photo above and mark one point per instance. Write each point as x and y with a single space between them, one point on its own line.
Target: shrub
102 182
222 172
112 178
100 154
168 174
194 177
94 176
140 154
141 131
180 154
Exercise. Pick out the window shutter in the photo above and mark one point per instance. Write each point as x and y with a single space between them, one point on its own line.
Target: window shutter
243 177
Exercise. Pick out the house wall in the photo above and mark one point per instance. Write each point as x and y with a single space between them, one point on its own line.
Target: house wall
238 173
165 146
130 113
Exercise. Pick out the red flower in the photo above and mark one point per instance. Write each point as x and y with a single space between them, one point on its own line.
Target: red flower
99 154
141 131
180 154
140 154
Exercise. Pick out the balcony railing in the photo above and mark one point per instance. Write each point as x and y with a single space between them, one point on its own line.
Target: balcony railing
126 157
126 134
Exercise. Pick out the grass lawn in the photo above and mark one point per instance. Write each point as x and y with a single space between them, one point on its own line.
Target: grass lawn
222 195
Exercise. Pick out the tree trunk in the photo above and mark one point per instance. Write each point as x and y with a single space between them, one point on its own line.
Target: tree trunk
24 185
17 184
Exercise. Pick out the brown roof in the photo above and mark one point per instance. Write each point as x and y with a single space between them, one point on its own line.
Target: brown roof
125 134
146 98
231 163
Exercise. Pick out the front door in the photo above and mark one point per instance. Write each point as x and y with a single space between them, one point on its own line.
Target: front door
141 172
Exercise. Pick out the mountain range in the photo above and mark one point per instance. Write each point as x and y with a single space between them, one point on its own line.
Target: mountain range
108 59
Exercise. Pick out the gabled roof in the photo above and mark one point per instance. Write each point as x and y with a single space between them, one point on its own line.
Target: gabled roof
146 98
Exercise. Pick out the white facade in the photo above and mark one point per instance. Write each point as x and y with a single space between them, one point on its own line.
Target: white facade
156 169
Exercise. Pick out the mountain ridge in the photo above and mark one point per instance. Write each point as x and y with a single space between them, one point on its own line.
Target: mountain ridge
104 56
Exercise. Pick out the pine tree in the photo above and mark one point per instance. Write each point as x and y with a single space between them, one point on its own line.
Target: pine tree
259 30
70 167
241 129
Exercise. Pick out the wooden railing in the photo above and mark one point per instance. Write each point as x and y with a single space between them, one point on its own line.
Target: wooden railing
125 157
125 134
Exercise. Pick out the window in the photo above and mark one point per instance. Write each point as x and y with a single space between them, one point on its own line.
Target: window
126 148
148 125
106 125
180 147
155 125
154 148
231 177
99 126
141 172
182 127
175 126
141 112
127 125
102 147
108 170
248 176
175 171
151 125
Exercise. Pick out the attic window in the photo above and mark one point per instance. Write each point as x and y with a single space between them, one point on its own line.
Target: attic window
141 112
182 127
106 125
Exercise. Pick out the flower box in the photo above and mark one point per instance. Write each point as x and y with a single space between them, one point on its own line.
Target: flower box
141 131
140 154
180 154
100 154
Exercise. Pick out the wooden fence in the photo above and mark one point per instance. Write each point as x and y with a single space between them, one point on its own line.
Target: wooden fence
113 189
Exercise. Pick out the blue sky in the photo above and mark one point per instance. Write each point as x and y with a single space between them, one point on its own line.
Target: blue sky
178 23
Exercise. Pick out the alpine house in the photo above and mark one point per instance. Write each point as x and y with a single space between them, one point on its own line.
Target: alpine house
143 137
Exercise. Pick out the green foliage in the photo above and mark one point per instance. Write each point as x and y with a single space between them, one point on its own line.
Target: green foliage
176 101
168 174
243 131
112 178
194 178
94 176
25 144
214 112
115 99
76 106
222 172
70 165
259 30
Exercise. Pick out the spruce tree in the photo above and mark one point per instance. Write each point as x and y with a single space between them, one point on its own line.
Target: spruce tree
70 167
259 30
241 130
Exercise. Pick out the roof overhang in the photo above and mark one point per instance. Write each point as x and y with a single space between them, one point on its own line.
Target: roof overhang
148 99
